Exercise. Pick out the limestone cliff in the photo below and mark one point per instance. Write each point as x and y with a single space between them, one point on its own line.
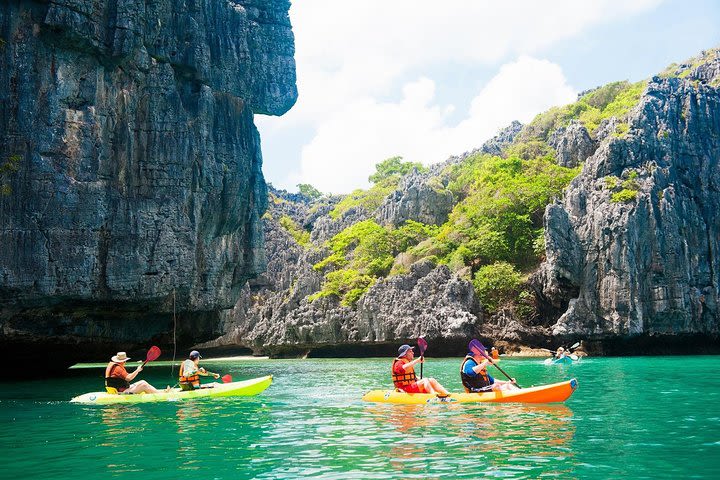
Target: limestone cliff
632 248
138 187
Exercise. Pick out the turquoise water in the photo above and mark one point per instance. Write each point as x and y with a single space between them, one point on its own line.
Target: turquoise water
643 417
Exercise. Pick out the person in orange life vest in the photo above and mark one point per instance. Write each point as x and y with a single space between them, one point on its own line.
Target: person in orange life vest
494 353
403 374
118 378
475 378
190 372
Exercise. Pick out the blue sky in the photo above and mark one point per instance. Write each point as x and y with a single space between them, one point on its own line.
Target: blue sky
425 80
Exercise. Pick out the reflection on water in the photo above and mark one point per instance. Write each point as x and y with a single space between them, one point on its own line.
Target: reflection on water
494 438
311 423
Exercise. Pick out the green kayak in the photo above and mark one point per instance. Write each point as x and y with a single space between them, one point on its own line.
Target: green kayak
245 388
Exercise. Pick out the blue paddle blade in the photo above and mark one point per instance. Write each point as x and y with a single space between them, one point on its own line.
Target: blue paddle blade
476 347
422 345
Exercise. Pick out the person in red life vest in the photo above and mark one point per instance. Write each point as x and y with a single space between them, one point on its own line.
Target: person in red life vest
190 372
476 379
403 374
494 353
118 378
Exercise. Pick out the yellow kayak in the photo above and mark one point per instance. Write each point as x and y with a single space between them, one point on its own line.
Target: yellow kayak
232 389
556 392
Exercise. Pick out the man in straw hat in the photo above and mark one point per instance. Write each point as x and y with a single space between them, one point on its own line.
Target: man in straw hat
116 377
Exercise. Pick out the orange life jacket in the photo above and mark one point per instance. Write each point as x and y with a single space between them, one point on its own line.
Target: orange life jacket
495 354
193 379
402 379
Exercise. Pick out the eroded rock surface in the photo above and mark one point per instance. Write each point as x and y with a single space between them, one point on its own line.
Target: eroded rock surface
139 190
633 246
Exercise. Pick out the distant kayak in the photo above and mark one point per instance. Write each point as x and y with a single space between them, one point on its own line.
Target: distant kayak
558 361
234 389
556 392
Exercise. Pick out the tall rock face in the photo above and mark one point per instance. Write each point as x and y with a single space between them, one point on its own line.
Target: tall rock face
139 188
633 248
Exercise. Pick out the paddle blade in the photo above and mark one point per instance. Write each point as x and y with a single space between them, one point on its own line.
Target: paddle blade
574 346
574 357
422 345
477 348
227 378
152 354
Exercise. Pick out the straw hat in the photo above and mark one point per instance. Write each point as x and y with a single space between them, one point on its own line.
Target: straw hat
120 357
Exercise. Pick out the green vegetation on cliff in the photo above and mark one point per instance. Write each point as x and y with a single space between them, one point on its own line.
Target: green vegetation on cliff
494 234
385 180
361 254
499 216
497 221
612 100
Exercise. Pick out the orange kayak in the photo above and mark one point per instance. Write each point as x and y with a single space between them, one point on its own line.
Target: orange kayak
556 392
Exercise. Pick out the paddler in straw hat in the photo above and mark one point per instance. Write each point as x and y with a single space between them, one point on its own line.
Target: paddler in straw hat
117 378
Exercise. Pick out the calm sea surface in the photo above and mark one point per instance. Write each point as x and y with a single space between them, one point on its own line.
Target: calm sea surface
642 417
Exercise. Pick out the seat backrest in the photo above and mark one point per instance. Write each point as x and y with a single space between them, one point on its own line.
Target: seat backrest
111 390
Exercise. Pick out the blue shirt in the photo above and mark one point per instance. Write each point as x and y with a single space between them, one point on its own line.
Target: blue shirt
468 370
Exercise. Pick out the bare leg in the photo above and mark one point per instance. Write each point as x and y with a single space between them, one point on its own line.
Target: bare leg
430 385
140 387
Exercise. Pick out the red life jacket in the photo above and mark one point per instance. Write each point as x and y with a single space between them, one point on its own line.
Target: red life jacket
402 379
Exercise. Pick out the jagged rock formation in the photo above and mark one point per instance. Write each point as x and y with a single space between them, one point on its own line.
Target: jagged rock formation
506 136
274 315
631 248
139 186
420 197
572 144
646 262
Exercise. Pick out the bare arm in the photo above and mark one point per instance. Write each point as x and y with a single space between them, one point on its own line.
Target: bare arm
479 368
131 376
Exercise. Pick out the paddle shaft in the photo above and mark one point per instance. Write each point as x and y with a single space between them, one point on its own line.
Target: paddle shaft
422 346
499 368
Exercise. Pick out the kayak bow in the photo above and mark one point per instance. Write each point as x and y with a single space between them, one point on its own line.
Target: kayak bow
235 389
556 392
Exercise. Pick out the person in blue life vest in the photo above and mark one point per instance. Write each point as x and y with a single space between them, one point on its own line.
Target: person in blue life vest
475 377
560 353
190 372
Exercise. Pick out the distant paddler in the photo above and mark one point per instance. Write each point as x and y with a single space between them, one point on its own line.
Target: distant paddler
117 379
404 378
190 372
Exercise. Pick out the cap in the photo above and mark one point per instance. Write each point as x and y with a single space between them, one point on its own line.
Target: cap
403 350
195 354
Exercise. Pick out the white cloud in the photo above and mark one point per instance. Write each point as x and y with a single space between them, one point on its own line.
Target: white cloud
352 62
364 132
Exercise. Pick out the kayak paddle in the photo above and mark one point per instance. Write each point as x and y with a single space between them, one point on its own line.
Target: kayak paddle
476 347
225 378
422 346
152 354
